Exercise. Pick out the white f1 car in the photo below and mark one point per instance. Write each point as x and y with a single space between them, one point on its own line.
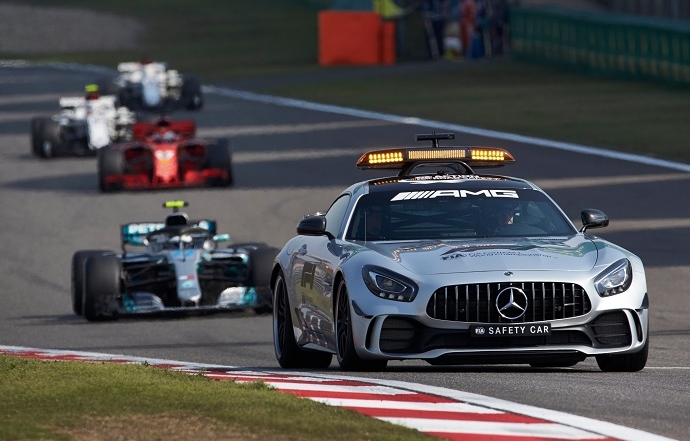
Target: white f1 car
152 86
84 125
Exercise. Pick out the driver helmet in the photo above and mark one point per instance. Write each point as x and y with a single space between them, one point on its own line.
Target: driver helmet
175 219
92 92
169 136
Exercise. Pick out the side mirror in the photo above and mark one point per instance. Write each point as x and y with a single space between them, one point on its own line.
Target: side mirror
593 218
313 226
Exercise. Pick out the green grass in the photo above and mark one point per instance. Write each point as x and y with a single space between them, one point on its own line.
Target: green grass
55 399
650 119
267 40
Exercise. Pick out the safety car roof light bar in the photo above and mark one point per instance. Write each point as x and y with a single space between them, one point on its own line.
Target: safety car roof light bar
460 159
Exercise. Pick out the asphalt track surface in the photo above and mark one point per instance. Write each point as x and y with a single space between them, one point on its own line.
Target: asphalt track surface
292 159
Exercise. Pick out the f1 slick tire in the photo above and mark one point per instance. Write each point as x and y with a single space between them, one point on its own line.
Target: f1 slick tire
191 94
37 135
101 288
261 260
50 139
220 157
78 263
288 353
111 162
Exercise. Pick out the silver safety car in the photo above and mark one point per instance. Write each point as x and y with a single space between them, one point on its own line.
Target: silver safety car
182 269
444 264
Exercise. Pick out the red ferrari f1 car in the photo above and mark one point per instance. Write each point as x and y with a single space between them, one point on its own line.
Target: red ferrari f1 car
165 154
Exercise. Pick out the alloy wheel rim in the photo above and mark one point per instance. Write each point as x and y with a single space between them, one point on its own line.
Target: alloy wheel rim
343 322
280 315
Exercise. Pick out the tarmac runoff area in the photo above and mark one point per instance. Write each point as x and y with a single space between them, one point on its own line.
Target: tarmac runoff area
439 412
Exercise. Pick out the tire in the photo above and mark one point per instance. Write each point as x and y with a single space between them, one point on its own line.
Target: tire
624 362
345 348
78 262
128 97
262 259
220 157
110 163
191 94
288 354
37 135
50 139
101 288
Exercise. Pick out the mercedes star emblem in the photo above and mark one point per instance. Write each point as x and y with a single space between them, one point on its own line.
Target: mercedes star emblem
511 303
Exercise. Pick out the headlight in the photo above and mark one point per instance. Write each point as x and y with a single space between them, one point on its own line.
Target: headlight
615 279
388 285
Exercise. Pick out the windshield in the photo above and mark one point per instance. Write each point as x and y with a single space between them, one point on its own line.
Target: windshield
453 214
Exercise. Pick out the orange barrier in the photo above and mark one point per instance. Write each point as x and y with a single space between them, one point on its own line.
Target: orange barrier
355 38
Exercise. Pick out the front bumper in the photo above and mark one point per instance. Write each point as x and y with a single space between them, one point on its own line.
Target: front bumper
399 337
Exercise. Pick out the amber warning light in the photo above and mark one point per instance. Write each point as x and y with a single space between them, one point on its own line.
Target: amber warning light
400 158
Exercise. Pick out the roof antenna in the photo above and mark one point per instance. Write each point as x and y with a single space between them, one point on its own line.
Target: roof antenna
435 137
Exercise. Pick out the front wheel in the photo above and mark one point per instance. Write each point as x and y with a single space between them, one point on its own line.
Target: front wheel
191 94
220 158
111 162
37 135
624 362
78 263
288 354
346 353
50 139
261 260
101 288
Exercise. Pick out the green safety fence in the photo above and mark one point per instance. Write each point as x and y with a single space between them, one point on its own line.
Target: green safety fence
611 44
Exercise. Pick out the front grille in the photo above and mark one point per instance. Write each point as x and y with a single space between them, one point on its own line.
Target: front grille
477 303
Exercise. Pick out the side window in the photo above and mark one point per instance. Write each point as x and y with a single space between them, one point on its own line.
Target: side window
335 214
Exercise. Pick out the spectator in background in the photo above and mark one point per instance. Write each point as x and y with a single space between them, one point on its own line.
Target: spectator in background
499 22
434 14
483 32
468 25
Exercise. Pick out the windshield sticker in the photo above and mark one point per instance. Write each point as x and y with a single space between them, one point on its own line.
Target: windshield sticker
425 179
432 194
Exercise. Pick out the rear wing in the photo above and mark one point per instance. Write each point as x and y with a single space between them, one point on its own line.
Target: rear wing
134 233
184 128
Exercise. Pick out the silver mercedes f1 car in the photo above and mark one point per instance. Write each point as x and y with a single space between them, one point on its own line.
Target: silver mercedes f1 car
443 264
181 270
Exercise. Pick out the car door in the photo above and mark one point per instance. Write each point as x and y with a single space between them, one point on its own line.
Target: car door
313 268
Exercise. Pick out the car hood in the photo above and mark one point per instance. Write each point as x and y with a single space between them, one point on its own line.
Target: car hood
575 253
